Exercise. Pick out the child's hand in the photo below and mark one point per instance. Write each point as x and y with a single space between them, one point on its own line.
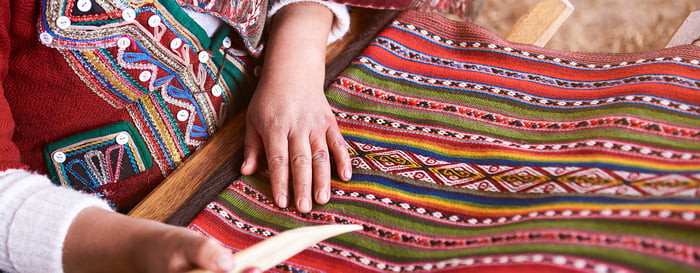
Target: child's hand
99 240
289 119
297 131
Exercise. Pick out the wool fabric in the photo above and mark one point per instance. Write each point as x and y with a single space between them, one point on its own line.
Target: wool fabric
475 154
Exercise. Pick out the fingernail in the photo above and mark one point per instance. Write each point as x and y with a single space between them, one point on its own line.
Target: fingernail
225 262
304 205
244 163
347 174
253 270
322 197
282 201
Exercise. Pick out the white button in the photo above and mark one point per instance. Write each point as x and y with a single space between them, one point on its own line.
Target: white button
203 57
154 20
123 42
63 22
59 157
122 138
226 42
45 38
216 90
182 115
84 5
175 43
129 14
145 76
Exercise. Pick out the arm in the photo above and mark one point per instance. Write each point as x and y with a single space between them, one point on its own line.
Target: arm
45 228
34 219
289 118
103 241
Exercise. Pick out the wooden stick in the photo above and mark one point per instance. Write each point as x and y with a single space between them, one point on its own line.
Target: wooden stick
183 183
540 22
277 249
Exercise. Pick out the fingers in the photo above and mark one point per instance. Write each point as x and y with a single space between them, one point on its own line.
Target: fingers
252 270
183 250
303 152
252 150
309 163
321 165
278 165
311 167
301 160
209 255
336 144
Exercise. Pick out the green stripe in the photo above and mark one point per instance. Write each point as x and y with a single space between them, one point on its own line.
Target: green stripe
95 22
518 136
503 106
171 120
417 116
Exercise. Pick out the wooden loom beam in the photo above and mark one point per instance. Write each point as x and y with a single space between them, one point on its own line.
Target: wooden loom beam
540 22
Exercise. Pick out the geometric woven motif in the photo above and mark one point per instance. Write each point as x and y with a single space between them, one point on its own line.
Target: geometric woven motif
521 179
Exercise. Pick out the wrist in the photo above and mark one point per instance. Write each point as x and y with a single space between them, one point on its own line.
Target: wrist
341 16
298 37
97 240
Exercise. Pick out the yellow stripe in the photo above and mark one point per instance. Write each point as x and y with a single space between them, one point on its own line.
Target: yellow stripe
104 70
91 143
162 130
137 156
636 162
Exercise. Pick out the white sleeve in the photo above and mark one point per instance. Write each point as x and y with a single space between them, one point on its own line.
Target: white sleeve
341 20
34 219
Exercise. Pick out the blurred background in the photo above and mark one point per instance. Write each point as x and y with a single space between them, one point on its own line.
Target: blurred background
612 26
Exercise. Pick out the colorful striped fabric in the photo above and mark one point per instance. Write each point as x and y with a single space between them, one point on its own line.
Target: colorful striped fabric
475 154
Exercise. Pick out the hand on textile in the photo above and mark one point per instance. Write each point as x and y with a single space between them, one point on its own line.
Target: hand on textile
289 119
99 240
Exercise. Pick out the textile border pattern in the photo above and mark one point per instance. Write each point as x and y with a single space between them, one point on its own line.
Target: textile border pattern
243 16
474 154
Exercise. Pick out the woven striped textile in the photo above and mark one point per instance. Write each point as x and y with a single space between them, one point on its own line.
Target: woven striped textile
473 154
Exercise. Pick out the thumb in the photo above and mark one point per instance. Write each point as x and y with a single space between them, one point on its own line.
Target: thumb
209 255
252 149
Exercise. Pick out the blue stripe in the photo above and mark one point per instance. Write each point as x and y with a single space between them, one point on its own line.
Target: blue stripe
517 200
